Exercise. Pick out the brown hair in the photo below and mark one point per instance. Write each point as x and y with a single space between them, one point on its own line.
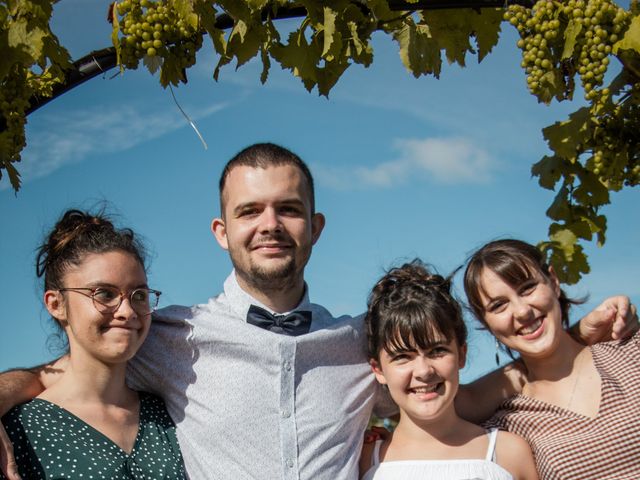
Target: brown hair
264 155
410 307
77 234
515 262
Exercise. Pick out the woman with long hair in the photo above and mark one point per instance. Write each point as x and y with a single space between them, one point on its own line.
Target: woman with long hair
579 406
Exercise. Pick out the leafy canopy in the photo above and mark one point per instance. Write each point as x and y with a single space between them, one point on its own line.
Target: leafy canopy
594 151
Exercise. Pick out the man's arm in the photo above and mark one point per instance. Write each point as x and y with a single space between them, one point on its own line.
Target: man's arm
18 386
615 318
477 401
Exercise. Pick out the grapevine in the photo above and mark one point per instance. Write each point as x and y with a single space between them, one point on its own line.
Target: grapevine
33 62
14 100
597 149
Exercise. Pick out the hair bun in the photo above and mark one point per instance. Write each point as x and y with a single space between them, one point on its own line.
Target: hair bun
72 225
76 234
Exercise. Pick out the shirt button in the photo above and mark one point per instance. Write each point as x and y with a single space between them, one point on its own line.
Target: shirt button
286 413
290 463
287 366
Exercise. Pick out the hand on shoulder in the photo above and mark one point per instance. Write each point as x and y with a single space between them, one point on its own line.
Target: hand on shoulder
614 319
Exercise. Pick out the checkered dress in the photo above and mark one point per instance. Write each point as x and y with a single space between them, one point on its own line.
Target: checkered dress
569 446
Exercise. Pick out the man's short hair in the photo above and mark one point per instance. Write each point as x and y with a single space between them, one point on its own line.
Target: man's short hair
264 155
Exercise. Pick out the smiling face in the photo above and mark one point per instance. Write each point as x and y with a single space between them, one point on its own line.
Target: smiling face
422 382
527 317
267 225
108 337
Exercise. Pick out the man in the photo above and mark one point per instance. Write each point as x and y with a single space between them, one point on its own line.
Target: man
257 397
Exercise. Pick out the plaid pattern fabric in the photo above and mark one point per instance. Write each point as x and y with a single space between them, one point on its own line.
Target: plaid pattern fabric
570 446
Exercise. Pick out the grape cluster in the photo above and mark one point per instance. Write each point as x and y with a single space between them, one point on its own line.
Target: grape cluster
15 92
154 28
540 39
615 143
544 32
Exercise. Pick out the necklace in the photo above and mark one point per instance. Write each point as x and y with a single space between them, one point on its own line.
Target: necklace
575 382
530 389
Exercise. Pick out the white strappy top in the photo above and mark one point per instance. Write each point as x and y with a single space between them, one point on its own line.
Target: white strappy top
463 469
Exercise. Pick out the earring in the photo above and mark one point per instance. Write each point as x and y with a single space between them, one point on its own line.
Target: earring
497 353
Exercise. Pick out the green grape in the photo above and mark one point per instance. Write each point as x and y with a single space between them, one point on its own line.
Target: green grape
613 142
155 28
542 42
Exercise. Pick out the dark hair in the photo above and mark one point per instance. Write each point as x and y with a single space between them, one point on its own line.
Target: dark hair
77 234
264 155
410 308
515 262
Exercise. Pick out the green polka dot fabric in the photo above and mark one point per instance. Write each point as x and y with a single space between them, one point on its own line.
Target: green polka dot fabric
51 443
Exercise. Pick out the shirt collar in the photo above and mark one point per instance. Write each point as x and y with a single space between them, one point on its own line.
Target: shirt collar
240 301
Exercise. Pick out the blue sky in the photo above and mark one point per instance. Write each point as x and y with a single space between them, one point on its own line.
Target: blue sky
404 167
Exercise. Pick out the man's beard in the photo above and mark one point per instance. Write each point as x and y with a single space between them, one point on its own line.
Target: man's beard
275 278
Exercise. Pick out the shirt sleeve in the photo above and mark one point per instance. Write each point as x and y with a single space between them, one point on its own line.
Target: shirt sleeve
161 355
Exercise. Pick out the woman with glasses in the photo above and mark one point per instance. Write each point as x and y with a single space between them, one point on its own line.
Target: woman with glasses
89 424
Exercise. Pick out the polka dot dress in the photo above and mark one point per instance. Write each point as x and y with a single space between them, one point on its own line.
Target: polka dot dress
51 443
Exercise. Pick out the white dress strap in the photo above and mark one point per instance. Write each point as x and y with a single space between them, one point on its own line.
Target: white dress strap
375 458
491 451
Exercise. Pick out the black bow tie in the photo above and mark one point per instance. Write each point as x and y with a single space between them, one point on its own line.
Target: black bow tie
295 323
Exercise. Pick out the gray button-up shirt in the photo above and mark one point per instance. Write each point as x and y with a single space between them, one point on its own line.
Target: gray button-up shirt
253 404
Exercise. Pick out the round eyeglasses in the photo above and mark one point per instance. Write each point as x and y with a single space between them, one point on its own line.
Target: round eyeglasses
143 301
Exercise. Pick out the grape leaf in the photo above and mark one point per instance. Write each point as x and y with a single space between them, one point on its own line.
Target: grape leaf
451 29
245 41
570 37
549 170
419 52
240 27
329 30
560 209
363 52
551 85
171 71
567 257
257 4
237 9
266 64
329 75
486 29
153 63
581 228
299 56
565 137
29 40
14 175
563 237
631 39
591 191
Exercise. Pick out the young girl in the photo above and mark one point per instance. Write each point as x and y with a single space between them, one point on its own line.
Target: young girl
579 406
90 424
417 344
